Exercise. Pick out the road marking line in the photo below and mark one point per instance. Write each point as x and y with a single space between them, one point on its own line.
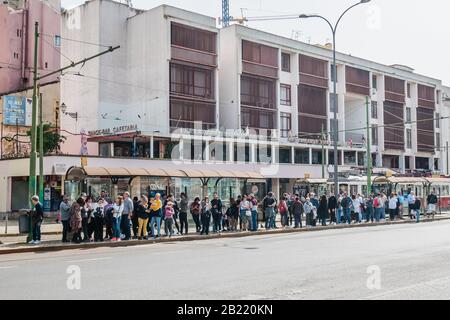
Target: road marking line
90 260
9 267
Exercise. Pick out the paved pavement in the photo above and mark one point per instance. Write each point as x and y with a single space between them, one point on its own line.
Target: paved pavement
412 261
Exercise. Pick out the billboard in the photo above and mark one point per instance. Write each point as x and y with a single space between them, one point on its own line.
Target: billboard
17 110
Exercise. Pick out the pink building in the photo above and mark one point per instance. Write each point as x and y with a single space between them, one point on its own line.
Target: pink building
17 21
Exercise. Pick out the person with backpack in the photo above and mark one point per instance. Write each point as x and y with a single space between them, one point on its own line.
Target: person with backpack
432 201
195 212
216 211
297 211
269 204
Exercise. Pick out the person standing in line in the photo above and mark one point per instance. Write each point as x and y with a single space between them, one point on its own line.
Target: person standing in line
184 203
315 202
356 204
384 204
339 209
99 215
269 204
392 206
290 200
347 204
411 202
297 210
254 209
37 216
196 212
205 215
104 195
233 214
84 215
308 208
284 212
143 214
401 201
432 201
118 208
322 211
64 208
169 213
156 215
369 208
76 221
332 206
89 207
416 209
171 198
108 220
128 208
245 213
135 217
216 211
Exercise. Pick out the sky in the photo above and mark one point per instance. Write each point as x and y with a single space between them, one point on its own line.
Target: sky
415 33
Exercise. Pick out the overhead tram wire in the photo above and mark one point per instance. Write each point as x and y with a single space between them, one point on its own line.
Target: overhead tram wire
78 41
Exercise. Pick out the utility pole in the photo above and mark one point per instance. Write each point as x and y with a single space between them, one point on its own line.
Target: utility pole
32 177
369 152
41 151
323 153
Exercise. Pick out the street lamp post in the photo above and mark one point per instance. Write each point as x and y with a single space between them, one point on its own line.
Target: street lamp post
335 102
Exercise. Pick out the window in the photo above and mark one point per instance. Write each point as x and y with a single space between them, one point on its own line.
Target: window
191 81
408 114
257 119
285 62
285 124
438 121
317 157
334 126
438 141
285 95
333 76
408 139
375 136
259 54
258 92
438 97
193 38
46 65
374 110
334 98
284 155
374 82
301 156
408 90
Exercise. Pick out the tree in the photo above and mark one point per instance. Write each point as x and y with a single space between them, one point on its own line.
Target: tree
52 138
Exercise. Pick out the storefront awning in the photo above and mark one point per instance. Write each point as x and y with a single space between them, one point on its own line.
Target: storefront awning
77 173
409 180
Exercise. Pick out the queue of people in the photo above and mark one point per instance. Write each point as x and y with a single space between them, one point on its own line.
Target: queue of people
123 218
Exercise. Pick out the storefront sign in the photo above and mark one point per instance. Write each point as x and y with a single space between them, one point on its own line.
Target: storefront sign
115 130
47 199
60 169
16 111
156 187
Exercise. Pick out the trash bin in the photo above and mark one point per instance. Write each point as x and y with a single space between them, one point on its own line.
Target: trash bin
24 221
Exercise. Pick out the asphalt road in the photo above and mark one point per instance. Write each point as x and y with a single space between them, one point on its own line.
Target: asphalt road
404 261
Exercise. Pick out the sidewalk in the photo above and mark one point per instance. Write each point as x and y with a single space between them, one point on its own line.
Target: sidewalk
51 240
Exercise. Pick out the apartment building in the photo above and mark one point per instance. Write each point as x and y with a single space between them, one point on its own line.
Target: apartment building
285 86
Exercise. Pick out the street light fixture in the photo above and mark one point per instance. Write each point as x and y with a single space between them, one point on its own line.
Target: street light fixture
73 115
335 101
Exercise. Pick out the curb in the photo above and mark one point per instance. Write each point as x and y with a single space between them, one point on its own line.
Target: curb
13 235
87 246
